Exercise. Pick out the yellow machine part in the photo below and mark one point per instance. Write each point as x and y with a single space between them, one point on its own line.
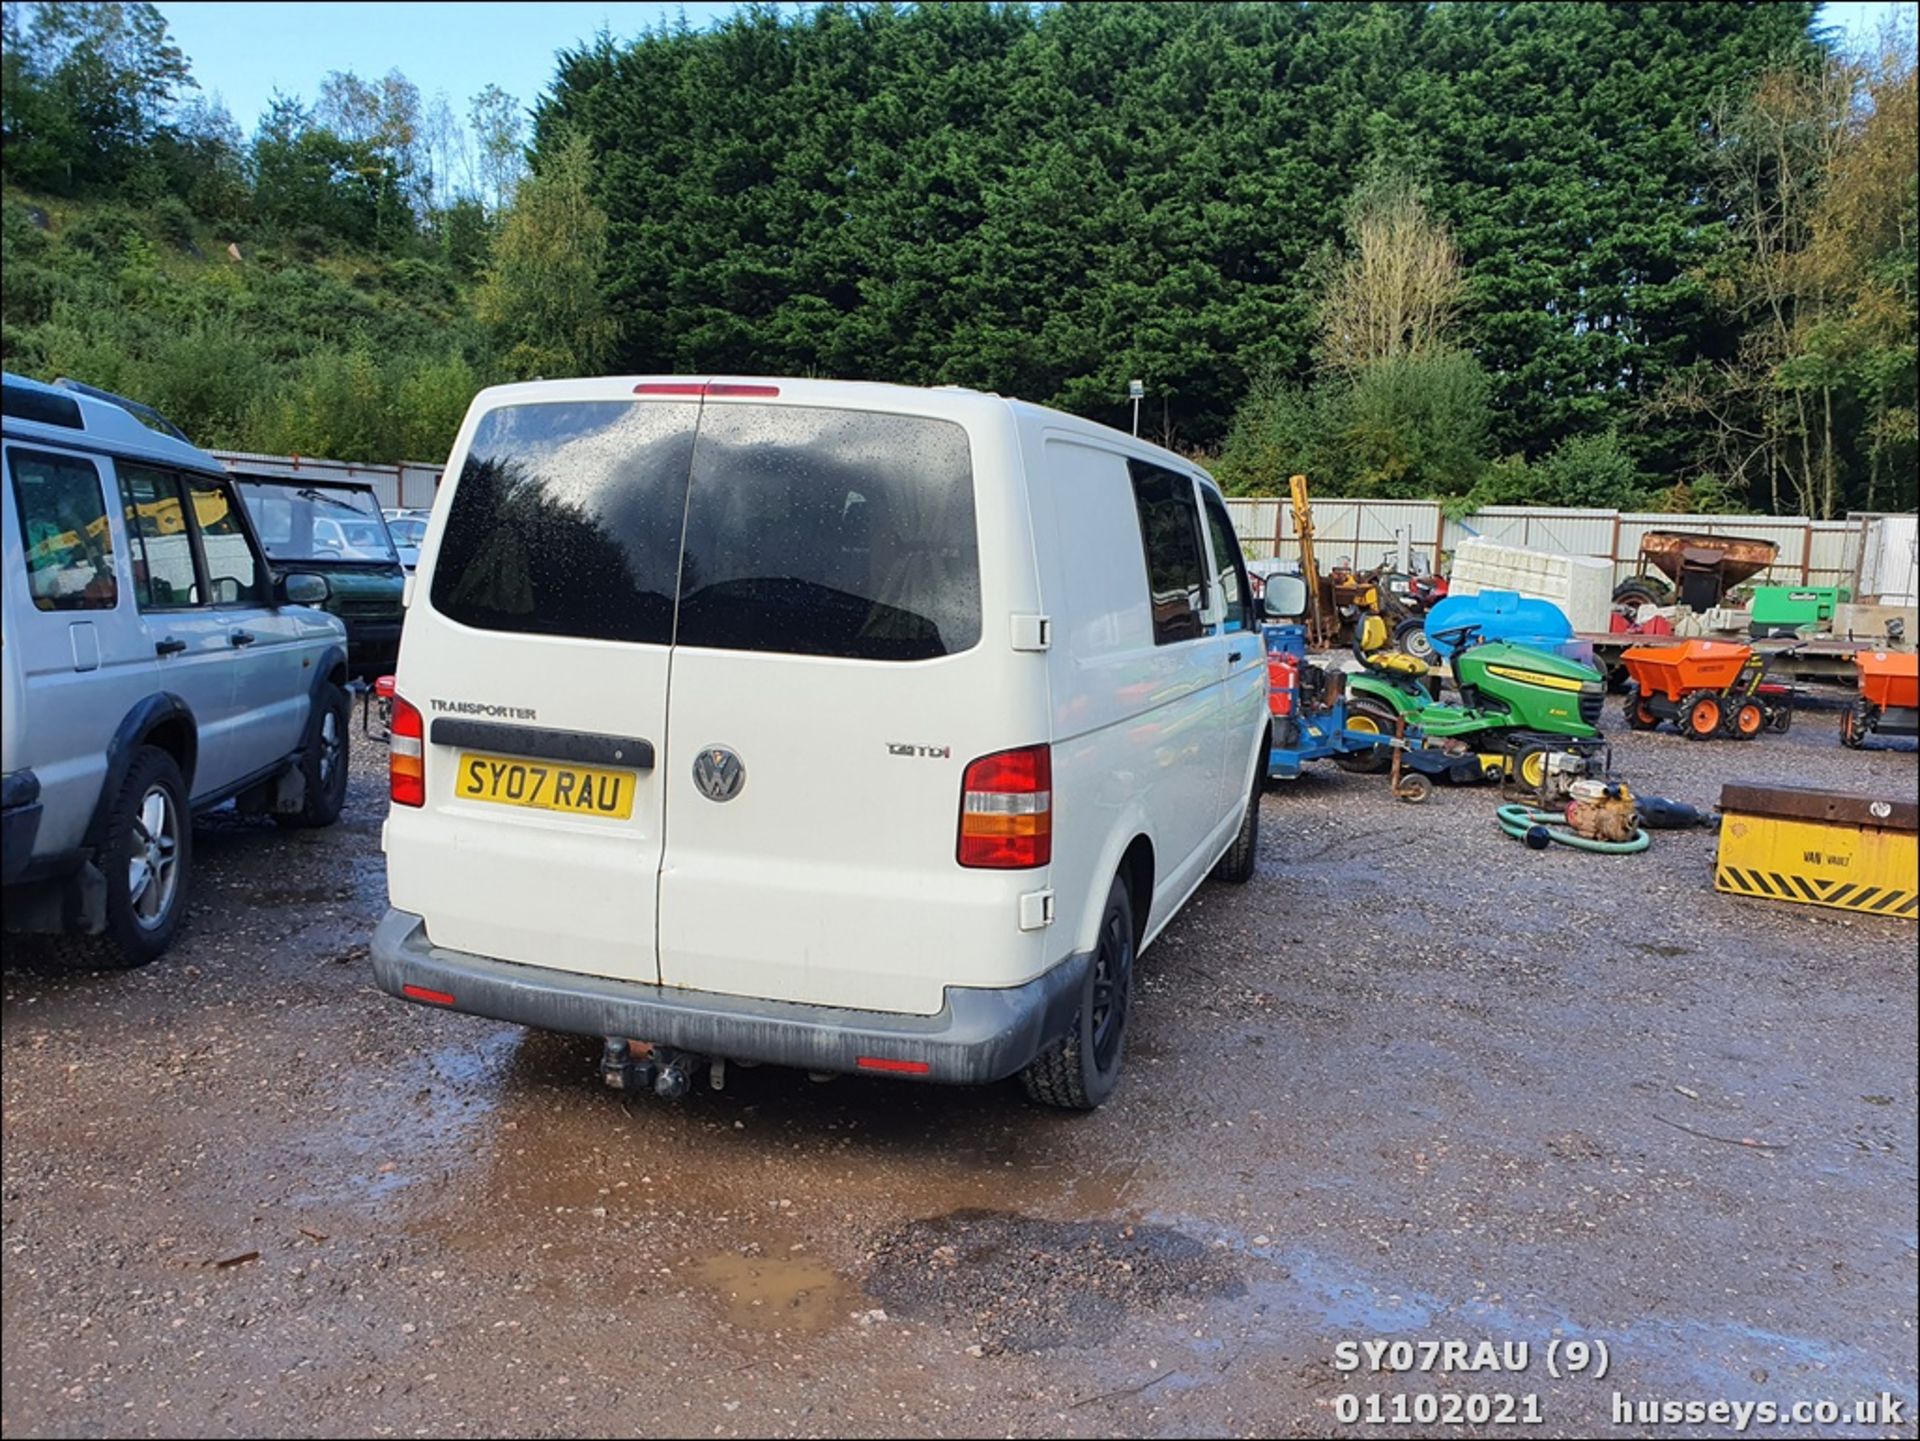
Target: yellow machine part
1819 863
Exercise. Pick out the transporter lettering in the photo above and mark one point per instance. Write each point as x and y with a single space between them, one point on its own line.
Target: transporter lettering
480 707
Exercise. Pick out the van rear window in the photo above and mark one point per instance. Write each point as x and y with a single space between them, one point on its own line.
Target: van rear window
813 531
566 521
807 530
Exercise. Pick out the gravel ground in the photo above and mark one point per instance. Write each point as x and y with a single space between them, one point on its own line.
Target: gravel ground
1414 1081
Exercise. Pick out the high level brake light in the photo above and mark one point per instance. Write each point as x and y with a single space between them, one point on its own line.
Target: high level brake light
1006 810
407 756
703 388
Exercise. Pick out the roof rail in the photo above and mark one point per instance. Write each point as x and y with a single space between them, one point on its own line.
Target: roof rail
145 414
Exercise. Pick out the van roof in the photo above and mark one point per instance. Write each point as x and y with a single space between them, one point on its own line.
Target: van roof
821 390
55 413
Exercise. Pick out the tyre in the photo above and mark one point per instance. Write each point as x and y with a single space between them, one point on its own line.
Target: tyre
1415 789
1411 636
1746 719
1369 717
1639 714
323 763
1235 866
1642 590
1079 1071
1780 721
1702 715
1530 768
147 859
1856 723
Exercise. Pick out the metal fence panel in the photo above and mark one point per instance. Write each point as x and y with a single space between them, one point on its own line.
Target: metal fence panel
1824 552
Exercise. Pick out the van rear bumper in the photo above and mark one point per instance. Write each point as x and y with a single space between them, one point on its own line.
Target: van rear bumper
978 1036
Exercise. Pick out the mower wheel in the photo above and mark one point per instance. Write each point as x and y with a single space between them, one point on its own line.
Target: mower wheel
1414 789
1530 768
1745 720
1369 718
1639 714
1702 715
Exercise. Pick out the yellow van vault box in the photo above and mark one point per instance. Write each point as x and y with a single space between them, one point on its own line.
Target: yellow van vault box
1820 848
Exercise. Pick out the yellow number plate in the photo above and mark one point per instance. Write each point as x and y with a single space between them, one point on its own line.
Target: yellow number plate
545 785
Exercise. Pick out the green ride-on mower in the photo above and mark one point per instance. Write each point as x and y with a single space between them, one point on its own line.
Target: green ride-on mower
1518 705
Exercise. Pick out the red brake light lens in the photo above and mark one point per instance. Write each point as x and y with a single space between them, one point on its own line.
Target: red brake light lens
703 388
407 756
1006 810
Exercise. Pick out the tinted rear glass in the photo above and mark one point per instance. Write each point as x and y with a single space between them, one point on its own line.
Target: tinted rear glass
830 532
566 521
809 531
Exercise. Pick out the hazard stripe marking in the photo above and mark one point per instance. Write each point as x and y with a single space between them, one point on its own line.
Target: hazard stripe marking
1859 902
1839 897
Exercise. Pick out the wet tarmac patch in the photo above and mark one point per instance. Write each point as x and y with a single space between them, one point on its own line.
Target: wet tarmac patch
1026 1284
778 1293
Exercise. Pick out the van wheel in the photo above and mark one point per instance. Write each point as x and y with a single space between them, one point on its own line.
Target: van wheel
1235 866
323 763
1078 1071
146 859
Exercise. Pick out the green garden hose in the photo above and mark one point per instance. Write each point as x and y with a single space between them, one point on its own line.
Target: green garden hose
1516 821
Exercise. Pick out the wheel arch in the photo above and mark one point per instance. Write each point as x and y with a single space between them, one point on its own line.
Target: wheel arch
162 719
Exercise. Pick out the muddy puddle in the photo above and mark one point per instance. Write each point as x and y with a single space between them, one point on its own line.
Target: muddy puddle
778 1293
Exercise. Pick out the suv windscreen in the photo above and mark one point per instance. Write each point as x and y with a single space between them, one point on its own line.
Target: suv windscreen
808 531
298 522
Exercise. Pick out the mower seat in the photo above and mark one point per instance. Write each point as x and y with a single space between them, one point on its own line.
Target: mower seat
1370 646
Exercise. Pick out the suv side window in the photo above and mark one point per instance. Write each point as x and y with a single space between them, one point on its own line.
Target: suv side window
166 572
1232 575
69 540
232 569
1176 565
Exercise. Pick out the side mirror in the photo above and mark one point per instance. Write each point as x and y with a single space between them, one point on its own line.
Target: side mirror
303 588
1285 598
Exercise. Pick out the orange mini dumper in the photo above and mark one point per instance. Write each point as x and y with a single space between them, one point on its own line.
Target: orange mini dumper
1706 687
1889 698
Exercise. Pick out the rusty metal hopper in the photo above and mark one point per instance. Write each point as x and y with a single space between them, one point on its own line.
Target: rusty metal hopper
1705 567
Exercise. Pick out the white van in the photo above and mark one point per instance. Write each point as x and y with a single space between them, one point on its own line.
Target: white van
849 727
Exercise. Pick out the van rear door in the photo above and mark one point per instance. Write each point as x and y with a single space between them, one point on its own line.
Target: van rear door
832 677
540 668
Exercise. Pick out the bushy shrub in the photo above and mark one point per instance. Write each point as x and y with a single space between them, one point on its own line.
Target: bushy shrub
173 222
104 233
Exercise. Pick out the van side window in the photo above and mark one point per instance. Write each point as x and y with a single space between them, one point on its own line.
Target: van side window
166 574
1232 576
233 574
1176 568
69 540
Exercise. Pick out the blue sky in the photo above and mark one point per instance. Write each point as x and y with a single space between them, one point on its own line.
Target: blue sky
244 51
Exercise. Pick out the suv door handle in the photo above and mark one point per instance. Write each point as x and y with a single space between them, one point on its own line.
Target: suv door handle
1233 657
169 646
240 637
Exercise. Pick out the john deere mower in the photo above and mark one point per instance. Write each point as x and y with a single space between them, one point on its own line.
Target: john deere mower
1518 705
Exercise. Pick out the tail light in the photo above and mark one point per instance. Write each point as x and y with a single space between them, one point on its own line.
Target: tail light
1006 810
407 756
